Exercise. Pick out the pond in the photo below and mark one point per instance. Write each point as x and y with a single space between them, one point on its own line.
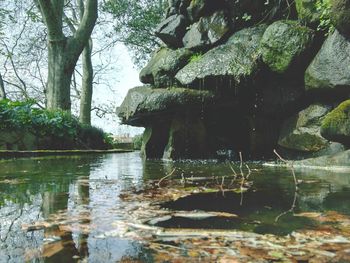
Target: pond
119 208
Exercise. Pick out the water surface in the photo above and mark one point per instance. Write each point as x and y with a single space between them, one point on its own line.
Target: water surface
84 192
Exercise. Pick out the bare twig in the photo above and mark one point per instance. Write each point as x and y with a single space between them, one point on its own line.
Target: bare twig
222 186
290 165
165 177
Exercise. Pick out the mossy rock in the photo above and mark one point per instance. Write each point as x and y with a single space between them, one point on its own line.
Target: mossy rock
302 131
144 102
283 43
307 11
340 15
164 64
236 60
336 124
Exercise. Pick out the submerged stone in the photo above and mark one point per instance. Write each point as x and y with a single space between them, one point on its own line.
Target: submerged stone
237 60
330 68
302 131
283 43
336 124
163 66
143 102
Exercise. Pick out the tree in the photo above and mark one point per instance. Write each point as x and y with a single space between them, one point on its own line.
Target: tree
86 91
2 88
134 25
63 51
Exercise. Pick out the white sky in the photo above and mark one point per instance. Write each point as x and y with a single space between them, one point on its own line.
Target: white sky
126 76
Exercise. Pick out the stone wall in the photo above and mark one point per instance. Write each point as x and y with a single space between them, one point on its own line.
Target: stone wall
244 76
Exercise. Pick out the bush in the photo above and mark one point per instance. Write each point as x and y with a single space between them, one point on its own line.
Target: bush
137 141
55 129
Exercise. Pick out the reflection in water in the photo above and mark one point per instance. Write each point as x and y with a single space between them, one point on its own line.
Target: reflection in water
79 198
82 190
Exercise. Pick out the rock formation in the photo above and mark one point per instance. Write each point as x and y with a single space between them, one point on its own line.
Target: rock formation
244 76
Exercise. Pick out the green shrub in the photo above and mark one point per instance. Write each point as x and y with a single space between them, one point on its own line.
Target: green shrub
56 129
324 8
137 141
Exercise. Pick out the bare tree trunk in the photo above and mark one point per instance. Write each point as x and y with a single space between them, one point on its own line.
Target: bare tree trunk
87 85
59 76
2 89
63 53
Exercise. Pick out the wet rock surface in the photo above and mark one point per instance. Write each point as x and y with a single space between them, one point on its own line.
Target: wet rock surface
284 43
267 64
236 60
146 101
171 30
330 68
336 124
162 68
302 131
207 31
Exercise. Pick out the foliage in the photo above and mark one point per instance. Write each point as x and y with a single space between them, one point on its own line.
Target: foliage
137 141
196 56
135 22
59 128
324 8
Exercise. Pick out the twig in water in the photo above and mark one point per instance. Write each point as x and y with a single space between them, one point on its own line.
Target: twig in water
183 179
290 165
289 210
249 172
241 164
242 174
233 170
222 186
165 177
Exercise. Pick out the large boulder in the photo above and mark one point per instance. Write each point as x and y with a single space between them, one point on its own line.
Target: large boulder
172 30
340 15
330 68
235 61
144 102
284 43
336 124
308 12
163 66
207 31
302 131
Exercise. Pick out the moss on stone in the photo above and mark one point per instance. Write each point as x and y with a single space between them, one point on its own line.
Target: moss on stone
336 124
283 42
